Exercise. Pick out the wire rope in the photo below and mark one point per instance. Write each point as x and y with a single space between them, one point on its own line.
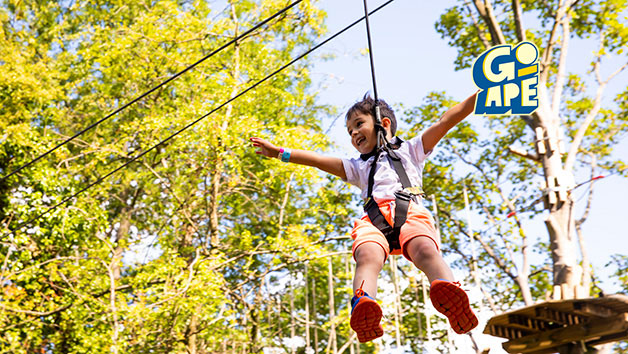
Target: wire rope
175 76
100 179
368 36
381 132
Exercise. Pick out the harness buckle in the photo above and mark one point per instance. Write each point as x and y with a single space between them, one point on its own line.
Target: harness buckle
403 195
414 190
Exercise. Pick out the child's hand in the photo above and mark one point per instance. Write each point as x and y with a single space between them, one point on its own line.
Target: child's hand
266 148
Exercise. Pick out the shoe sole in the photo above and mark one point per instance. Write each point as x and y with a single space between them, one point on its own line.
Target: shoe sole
453 302
365 320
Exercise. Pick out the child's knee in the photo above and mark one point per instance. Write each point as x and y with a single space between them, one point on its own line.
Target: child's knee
422 247
370 252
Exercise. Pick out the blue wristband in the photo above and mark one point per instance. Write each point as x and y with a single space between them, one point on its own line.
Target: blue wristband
285 155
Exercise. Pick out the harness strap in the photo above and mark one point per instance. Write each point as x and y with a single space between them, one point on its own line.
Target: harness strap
402 199
402 204
372 173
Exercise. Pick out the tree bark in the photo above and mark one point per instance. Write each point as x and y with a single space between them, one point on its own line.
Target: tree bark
314 314
332 316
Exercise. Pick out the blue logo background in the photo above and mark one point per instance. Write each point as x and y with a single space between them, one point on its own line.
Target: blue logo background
508 79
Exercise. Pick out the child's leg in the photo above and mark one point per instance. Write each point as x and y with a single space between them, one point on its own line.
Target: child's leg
446 296
366 314
369 258
424 254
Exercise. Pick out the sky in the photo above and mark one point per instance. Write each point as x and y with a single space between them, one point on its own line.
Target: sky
411 60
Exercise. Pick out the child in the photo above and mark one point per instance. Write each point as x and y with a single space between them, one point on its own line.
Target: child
408 227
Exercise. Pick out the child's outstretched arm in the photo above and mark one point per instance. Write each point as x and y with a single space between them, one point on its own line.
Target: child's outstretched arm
453 116
328 164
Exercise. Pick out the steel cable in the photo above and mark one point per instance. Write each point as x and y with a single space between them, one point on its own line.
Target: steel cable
99 180
190 67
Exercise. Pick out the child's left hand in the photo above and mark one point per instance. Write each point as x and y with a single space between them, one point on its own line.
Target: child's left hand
266 148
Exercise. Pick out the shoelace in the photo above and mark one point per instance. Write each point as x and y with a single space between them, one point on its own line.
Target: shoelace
359 292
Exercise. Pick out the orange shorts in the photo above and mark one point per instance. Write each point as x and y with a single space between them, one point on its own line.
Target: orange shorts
419 223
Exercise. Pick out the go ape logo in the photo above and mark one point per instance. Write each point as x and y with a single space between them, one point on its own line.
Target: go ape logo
507 78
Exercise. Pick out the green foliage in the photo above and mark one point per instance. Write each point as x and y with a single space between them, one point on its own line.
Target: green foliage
476 154
182 248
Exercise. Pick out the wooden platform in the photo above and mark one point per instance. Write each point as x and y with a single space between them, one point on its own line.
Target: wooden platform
543 327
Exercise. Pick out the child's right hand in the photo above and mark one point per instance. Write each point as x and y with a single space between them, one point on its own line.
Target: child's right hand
266 148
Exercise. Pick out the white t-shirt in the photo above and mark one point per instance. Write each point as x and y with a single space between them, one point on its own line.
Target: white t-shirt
386 180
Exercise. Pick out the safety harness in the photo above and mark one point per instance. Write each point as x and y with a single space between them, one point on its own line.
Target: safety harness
402 197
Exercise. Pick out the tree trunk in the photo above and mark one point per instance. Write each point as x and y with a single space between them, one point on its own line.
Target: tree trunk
307 312
293 333
393 268
121 236
192 329
314 315
216 179
332 331
558 201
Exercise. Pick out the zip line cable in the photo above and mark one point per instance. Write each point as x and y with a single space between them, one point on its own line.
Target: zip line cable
50 209
368 36
152 90
381 135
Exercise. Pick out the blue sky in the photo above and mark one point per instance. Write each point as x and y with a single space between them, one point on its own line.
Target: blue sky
411 60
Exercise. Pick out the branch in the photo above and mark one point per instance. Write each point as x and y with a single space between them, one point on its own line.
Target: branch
577 140
489 250
619 70
477 26
516 9
587 208
36 313
520 152
485 9
167 184
562 63
547 52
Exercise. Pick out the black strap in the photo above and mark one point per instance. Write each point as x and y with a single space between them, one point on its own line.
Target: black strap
372 173
402 204
402 199
377 218
396 163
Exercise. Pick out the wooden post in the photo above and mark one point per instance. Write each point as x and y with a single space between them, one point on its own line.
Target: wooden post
332 316
474 259
269 312
280 332
307 311
415 285
349 284
435 212
393 268
428 324
314 315
292 324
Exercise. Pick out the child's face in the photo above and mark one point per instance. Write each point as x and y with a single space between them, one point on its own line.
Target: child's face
361 128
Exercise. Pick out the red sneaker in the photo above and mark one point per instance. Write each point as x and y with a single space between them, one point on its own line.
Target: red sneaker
365 316
450 300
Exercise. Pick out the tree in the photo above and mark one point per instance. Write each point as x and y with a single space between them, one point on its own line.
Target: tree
175 252
571 134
